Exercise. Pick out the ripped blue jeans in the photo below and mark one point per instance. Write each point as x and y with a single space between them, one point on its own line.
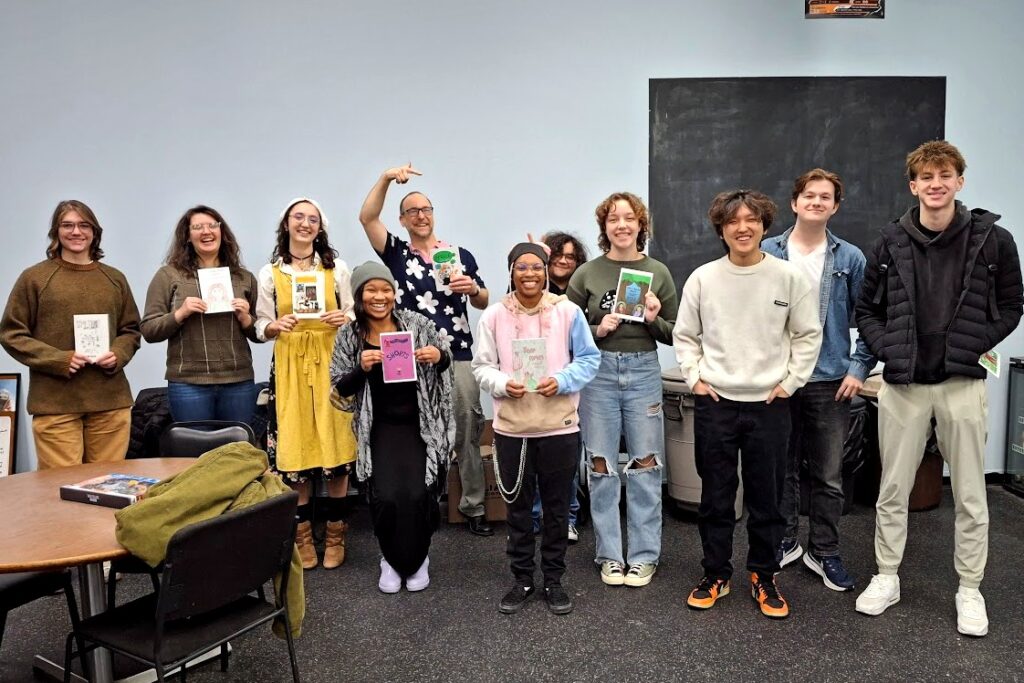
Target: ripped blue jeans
625 399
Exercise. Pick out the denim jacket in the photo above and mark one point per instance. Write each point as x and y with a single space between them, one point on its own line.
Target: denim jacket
841 280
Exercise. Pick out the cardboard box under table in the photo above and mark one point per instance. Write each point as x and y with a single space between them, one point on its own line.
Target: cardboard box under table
494 506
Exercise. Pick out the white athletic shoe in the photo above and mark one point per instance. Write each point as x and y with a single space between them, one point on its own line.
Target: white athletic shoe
971 617
882 593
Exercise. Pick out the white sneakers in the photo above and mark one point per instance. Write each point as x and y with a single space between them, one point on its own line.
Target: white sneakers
884 591
971 617
390 581
881 593
419 580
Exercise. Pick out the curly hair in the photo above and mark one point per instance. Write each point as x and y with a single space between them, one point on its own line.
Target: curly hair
182 255
725 205
642 217
938 153
321 245
53 250
557 240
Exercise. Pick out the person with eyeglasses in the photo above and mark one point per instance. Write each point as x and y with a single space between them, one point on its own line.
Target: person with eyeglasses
536 418
567 254
625 398
307 438
447 305
80 405
209 363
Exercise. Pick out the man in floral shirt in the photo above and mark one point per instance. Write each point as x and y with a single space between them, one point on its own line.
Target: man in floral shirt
446 303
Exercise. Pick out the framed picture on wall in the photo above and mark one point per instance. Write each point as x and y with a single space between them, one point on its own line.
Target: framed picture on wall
10 395
851 9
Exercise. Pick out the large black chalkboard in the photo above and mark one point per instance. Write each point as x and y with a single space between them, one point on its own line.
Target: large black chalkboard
715 134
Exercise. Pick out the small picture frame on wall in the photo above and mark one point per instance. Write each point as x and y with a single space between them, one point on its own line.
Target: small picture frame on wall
10 397
851 9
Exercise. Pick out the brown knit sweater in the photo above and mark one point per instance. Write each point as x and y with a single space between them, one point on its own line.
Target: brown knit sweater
38 330
204 349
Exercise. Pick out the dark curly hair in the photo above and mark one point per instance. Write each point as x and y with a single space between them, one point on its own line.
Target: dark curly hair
182 255
557 240
321 245
642 217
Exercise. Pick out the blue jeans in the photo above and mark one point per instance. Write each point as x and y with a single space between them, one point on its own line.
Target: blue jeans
625 398
820 424
235 401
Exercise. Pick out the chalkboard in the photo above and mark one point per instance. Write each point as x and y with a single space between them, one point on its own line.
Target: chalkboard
714 134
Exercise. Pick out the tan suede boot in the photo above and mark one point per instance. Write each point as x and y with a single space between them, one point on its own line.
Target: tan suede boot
334 551
304 542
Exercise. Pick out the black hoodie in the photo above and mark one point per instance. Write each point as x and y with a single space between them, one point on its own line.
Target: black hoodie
939 259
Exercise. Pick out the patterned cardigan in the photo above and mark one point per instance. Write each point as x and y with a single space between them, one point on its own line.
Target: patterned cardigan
433 396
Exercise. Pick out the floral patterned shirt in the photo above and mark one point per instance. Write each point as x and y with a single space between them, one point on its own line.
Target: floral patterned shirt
417 291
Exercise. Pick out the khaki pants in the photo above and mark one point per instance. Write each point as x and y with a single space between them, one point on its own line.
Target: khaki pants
960 408
74 438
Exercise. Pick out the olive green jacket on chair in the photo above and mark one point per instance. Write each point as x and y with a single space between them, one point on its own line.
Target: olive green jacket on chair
226 478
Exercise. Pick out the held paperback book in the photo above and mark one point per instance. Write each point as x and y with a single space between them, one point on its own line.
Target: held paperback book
308 294
109 490
445 265
530 364
215 287
629 294
398 350
92 335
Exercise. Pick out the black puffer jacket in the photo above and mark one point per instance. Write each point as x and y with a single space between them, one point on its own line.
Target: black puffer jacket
989 308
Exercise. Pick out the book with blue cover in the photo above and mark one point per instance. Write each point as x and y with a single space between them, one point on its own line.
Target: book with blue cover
109 490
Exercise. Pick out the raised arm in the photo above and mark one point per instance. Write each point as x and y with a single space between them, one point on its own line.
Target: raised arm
369 214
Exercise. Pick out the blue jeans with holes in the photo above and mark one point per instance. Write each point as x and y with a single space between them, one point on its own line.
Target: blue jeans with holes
234 401
625 399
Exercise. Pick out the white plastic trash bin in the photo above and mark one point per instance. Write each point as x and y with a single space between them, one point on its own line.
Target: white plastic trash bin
681 469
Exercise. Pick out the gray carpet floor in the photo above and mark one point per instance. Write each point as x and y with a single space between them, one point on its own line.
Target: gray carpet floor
453 632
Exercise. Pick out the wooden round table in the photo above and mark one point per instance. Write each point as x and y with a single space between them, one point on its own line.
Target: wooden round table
42 531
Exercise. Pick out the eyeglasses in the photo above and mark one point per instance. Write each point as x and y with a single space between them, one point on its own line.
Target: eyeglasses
68 226
199 227
571 258
299 217
425 210
529 267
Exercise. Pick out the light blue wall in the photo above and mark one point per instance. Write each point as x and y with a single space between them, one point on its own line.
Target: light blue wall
522 115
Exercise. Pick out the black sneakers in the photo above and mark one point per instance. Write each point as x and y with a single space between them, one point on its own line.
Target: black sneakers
515 599
558 600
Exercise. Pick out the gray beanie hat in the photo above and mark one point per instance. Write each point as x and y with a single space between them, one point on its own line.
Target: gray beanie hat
371 270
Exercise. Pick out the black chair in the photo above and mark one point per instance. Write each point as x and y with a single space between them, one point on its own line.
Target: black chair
192 439
183 440
25 587
205 598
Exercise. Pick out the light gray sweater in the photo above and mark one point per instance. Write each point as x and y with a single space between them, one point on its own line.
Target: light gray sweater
744 330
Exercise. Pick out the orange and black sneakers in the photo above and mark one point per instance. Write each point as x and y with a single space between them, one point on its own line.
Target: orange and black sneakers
768 596
707 592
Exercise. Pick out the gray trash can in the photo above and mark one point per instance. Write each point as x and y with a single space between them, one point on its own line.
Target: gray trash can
677 405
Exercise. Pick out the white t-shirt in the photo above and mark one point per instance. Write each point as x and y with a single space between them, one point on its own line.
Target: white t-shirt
811 265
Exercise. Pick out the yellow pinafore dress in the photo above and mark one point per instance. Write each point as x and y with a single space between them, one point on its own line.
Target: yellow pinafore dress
311 433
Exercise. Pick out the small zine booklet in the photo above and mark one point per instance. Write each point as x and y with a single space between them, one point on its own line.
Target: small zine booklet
215 288
308 294
445 265
630 292
109 490
530 364
398 349
92 335
990 361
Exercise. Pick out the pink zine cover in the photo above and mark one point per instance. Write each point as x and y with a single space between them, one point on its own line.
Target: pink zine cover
399 360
